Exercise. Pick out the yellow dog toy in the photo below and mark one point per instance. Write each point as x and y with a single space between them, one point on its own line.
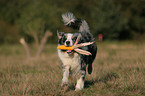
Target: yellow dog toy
76 47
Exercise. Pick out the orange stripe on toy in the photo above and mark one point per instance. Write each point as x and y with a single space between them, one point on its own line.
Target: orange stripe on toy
62 47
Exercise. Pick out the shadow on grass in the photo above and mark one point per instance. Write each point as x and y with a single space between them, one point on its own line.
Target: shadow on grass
108 77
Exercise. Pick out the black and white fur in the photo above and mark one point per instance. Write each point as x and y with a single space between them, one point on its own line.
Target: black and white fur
73 62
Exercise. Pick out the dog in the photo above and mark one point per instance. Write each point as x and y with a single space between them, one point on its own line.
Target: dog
71 61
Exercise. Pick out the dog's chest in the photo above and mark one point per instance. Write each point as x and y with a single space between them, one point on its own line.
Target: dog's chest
70 60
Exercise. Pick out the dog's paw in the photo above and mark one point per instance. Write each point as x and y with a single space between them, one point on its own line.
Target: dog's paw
63 84
78 89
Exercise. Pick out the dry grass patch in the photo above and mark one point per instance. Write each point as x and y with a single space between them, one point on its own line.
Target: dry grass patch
119 70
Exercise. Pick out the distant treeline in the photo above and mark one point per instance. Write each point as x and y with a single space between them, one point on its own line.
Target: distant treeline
115 19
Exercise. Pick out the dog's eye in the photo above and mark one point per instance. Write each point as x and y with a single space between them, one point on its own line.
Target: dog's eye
64 39
74 39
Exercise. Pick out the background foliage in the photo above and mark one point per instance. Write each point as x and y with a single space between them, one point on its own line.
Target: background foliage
119 20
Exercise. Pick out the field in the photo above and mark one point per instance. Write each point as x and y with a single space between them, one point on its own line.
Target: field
119 70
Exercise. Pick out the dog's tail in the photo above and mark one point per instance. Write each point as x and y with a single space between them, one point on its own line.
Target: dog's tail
71 21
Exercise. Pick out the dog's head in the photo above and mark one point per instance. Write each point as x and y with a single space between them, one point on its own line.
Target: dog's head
67 39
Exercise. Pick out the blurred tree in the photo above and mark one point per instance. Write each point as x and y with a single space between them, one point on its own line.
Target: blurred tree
8 32
107 19
10 11
115 19
30 21
134 12
36 19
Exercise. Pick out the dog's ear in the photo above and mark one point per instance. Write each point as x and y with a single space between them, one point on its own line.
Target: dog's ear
60 34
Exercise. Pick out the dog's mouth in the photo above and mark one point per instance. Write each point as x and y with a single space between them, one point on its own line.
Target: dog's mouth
69 52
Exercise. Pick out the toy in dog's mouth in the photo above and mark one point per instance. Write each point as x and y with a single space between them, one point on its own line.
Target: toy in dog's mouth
75 47
71 49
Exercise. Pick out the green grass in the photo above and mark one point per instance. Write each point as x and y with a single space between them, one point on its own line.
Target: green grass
119 70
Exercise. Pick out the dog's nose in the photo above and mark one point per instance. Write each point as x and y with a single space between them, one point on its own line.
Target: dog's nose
67 43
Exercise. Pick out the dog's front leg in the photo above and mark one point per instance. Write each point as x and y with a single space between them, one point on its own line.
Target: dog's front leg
80 81
65 75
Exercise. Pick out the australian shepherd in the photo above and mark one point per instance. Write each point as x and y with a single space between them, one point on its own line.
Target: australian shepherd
71 61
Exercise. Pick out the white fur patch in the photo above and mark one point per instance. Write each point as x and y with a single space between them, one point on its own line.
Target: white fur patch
80 84
72 60
68 18
84 27
69 38
65 76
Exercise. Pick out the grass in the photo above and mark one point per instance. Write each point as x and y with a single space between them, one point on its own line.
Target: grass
119 70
